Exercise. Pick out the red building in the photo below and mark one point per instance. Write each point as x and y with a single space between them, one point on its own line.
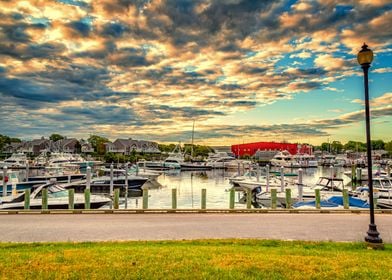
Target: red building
251 148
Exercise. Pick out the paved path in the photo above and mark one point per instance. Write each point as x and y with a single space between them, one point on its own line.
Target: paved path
105 227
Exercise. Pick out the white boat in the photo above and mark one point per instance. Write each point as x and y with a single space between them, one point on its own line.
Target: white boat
175 158
328 187
57 199
283 158
17 160
305 161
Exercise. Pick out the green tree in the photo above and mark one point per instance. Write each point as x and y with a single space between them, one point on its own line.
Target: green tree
325 146
336 146
5 140
98 143
355 146
378 145
388 147
55 137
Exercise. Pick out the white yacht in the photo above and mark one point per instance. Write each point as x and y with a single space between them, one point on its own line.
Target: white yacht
283 158
17 160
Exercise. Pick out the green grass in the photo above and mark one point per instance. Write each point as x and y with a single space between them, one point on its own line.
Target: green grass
203 259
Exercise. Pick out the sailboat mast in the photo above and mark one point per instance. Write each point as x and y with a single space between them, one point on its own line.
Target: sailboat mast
193 132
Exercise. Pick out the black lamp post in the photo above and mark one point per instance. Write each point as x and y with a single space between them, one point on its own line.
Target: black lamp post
365 57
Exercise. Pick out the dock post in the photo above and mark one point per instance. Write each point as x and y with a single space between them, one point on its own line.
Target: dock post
258 173
282 179
88 177
288 198
27 171
86 198
203 198
5 181
232 200
300 184
116 198
388 170
318 199
45 199
71 199
126 185
359 175
111 186
27 199
346 203
274 198
353 174
248 199
238 168
174 198
145 198
267 177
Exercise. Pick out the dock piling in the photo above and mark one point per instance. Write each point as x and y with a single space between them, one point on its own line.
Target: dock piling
346 203
111 185
288 198
203 198
87 198
27 199
318 199
116 198
248 199
282 179
145 198
174 198
5 181
274 198
45 199
71 199
300 184
232 200
126 185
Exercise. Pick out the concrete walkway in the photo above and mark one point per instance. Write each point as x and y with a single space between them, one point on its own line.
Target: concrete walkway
106 227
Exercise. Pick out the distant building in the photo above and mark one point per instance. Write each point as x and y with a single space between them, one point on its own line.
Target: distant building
126 146
250 149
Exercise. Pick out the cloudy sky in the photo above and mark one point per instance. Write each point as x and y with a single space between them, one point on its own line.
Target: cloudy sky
243 70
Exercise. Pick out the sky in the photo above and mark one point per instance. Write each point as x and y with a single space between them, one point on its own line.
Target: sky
241 70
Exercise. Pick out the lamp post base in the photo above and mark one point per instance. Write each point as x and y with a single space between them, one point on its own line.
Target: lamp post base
373 238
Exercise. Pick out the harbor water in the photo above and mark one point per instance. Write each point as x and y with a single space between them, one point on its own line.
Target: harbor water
189 185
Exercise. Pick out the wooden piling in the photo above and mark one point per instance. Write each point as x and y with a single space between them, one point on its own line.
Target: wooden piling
203 198
288 198
248 199
232 199
4 181
116 199
27 199
87 198
45 199
274 198
346 203
71 199
174 198
145 198
318 199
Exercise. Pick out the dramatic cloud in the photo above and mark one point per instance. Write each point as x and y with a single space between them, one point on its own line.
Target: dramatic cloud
149 67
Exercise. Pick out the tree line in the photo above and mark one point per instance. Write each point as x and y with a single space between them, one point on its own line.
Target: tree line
354 146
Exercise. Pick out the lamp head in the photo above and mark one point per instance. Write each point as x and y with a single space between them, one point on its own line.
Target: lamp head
365 56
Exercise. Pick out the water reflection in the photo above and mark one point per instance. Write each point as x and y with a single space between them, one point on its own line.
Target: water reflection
190 183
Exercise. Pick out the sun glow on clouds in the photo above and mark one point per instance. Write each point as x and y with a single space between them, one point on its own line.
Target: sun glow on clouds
148 68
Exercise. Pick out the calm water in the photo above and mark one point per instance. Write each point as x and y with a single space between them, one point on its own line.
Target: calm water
190 183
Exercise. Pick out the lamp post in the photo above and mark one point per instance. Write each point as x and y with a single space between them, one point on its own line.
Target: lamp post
365 57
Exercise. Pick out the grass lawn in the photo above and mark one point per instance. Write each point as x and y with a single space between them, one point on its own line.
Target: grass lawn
202 259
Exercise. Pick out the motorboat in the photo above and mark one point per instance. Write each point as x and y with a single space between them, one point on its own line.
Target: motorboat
16 160
305 161
285 159
102 184
57 199
335 202
134 170
328 186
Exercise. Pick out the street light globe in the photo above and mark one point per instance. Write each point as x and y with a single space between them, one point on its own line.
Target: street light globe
365 56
